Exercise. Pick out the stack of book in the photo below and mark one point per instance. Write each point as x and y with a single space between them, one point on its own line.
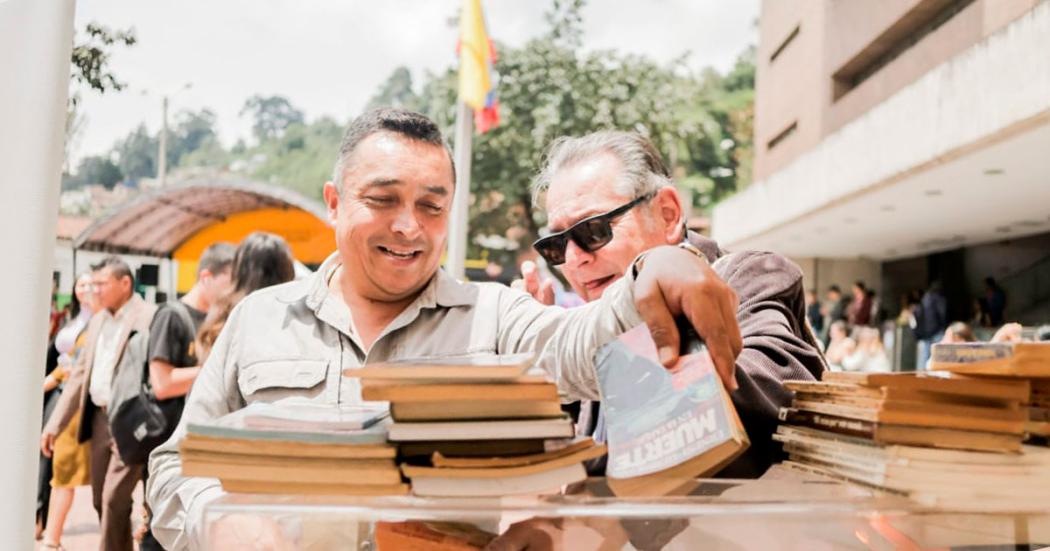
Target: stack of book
920 410
938 440
1038 426
1028 361
295 448
479 426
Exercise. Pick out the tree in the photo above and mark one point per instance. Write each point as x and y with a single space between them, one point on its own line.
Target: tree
193 140
396 91
137 154
549 89
89 66
302 158
91 57
272 115
97 170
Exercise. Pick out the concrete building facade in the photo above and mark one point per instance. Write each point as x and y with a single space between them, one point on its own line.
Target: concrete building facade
902 141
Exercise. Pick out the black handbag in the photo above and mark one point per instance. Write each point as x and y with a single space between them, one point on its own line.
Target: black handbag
138 421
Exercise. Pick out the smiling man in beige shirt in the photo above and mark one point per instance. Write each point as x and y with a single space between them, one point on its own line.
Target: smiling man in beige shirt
382 296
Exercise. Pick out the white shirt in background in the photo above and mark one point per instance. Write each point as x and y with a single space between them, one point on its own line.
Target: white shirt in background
106 354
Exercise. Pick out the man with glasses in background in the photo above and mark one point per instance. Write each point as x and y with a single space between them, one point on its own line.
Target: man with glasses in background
609 199
88 391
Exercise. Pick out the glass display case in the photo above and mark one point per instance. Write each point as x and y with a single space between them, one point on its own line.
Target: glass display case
782 510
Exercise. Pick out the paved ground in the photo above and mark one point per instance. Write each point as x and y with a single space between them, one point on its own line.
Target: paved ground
81 532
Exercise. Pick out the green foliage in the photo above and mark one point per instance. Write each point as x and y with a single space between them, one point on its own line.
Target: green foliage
91 57
89 65
396 91
272 115
548 89
96 170
193 131
302 158
137 154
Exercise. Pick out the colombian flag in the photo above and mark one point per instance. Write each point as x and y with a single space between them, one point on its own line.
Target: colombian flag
476 58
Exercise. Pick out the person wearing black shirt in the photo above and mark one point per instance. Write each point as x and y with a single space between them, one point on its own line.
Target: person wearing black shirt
173 364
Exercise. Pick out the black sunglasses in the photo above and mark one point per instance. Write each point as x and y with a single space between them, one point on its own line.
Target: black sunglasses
590 234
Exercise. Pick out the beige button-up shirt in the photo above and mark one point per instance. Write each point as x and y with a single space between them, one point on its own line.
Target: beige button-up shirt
106 354
294 340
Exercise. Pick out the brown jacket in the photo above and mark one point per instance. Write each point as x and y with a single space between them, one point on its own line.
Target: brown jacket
778 345
75 395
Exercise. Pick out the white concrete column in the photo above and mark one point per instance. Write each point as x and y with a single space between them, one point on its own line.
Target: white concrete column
36 38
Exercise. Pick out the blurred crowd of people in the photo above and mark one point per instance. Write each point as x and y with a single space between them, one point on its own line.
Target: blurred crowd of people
857 335
87 341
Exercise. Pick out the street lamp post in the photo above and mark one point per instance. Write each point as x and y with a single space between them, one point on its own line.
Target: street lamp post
162 142
162 153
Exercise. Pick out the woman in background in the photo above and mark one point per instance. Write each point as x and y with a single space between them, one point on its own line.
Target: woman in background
869 355
70 460
840 345
262 259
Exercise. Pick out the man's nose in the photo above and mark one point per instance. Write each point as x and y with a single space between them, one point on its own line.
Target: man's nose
575 255
406 223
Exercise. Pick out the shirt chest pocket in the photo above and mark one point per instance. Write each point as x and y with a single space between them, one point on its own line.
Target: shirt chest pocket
272 380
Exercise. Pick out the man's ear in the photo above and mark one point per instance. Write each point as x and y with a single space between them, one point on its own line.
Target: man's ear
669 212
331 200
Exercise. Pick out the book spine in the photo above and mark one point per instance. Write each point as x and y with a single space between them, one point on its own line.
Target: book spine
831 423
970 353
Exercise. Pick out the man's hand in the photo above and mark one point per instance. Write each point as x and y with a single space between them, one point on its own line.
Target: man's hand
1011 332
547 534
47 443
541 290
245 531
673 282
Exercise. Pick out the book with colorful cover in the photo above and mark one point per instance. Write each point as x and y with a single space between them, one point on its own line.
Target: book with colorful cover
1020 359
665 428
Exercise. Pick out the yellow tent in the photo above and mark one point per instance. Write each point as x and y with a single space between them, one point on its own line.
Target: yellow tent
180 221
310 239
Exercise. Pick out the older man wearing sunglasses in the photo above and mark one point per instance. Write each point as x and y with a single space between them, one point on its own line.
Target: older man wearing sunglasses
609 199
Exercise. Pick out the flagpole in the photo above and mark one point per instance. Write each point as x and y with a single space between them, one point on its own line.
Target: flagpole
455 260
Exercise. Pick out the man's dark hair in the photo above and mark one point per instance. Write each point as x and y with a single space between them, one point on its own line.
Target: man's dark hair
834 289
402 122
217 258
117 267
860 285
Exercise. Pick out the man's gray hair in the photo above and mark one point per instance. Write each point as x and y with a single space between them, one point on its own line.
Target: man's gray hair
644 170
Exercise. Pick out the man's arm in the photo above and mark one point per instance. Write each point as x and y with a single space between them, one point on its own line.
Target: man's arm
178 502
67 406
671 282
777 346
169 381
169 339
69 401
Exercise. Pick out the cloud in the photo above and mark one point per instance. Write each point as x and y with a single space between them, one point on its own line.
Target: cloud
329 56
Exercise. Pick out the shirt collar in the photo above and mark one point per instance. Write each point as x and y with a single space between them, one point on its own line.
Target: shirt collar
442 289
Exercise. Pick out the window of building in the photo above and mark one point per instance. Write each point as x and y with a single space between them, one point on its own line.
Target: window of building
783 135
780 49
926 17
